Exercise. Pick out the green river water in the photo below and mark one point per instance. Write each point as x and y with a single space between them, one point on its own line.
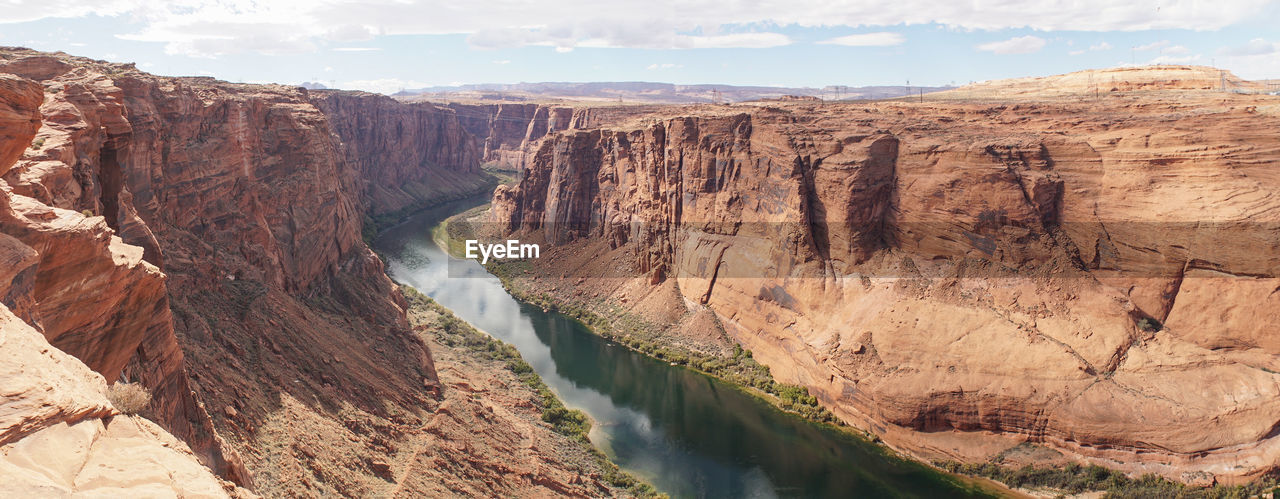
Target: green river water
686 433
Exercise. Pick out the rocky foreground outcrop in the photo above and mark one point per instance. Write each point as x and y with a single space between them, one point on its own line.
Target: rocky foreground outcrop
1094 274
60 436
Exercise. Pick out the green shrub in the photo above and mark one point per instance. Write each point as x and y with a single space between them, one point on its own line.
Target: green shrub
1076 479
567 421
741 369
452 331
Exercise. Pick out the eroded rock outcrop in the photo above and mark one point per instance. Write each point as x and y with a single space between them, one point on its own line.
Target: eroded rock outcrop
957 277
86 290
501 128
204 239
60 436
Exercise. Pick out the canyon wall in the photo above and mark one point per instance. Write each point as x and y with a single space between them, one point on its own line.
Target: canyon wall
508 131
203 238
405 155
500 127
1094 276
69 278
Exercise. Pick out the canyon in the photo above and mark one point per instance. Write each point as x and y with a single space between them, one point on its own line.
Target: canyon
1087 270
203 239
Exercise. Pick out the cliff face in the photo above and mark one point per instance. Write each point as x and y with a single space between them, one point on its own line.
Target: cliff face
94 296
405 154
501 128
203 238
957 278
509 131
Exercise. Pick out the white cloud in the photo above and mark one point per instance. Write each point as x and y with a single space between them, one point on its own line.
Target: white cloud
1152 46
356 49
1075 52
382 85
214 27
881 39
1016 45
504 61
34 10
1175 50
655 66
675 41
1256 46
1258 59
1100 46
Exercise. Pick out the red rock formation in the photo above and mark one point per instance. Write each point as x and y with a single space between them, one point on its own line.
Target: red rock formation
19 117
60 435
94 297
406 155
959 277
501 127
509 131
238 277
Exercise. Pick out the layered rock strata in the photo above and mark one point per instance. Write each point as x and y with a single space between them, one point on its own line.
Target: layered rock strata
508 131
1093 275
405 155
203 238
67 276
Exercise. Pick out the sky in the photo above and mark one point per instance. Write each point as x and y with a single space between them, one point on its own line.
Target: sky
390 45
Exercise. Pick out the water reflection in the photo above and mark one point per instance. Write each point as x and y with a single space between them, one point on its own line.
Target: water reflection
688 434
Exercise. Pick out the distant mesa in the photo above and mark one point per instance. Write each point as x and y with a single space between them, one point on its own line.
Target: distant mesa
1118 79
652 93
313 85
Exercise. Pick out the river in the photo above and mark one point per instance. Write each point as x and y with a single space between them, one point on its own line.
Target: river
688 434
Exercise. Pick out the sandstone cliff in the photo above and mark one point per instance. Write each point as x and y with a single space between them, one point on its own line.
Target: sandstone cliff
508 131
59 435
1094 275
405 155
95 297
203 239
237 193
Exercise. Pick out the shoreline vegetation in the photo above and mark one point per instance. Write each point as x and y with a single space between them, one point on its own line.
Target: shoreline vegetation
374 224
740 370
743 372
1075 478
454 332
